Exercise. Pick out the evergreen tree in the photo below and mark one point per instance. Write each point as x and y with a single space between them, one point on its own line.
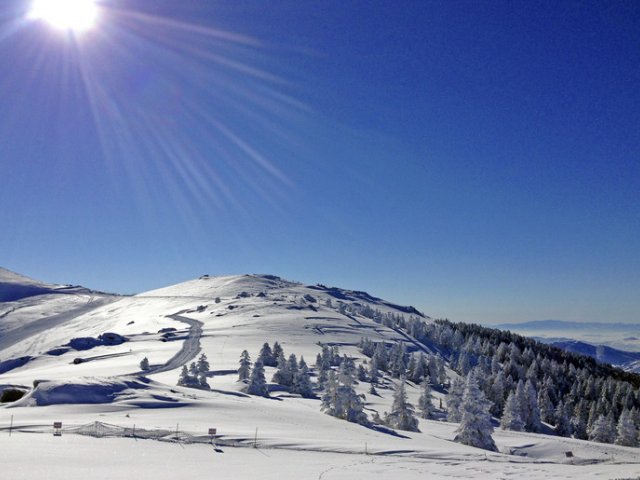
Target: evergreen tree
266 356
425 404
277 350
511 416
257 382
283 375
302 381
144 364
475 427
329 400
561 421
203 365
626 431
531 412
454 399
245 366
402 415
602 430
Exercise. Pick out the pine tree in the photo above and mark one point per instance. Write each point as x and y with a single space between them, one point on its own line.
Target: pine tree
561 420
302 381
184 378
531 412
402 415
626 431
144 364
277 350
283 375
454 399
266 356
329 400
245 366
425 404
475 427
257 383
511 416
203 365
602 430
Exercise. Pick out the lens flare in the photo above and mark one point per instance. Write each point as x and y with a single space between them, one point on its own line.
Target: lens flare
71 15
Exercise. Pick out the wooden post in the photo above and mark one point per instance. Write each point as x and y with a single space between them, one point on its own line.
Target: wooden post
11 425
255 439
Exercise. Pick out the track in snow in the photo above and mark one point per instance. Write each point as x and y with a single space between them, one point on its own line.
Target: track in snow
190 347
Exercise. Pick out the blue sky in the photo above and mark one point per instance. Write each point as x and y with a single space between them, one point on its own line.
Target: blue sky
479 160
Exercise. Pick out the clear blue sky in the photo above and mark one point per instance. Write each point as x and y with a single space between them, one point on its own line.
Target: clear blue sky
479 160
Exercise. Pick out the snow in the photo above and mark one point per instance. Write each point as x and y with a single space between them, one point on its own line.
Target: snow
294 437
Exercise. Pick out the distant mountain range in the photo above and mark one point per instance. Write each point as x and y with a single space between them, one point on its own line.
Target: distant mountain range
547 325
611 343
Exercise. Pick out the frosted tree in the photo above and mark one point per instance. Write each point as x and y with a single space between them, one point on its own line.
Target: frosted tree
302 381
329 401
425 404
626 431
283 375
602 430
144 364
531 412
245 366
454 399
277 350
184 379
257 383
203 364
475 427
511 416
547 412
562 423
497 393
340 399
402 414
266 356
373 373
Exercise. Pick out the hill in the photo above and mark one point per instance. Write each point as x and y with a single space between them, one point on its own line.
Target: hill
84 369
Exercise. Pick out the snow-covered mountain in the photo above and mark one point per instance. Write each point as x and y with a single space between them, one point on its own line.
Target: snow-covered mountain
77 359
629 361
616 335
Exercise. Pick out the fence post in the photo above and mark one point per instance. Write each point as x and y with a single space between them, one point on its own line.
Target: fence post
11 425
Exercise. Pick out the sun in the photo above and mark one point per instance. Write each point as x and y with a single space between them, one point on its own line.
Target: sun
70 15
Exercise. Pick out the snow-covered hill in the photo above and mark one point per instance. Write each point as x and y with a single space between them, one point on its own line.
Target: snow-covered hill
79 363
629 361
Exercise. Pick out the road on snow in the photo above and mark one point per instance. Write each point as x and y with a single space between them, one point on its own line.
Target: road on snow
190 346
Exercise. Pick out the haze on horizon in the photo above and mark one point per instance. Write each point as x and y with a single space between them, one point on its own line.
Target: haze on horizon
477 161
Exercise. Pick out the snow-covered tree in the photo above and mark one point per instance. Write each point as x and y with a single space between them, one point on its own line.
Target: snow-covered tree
561 421
454 399
626 431
602 430
530 410
512 416
203 364
257 382
245 366
425 404
144 364
402 414
284 375
302 381
340 399
266 356
475 427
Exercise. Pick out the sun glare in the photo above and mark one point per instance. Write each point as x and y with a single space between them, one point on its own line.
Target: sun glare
71 15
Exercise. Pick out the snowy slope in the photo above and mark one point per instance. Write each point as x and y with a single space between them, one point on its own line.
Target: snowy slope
83 381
